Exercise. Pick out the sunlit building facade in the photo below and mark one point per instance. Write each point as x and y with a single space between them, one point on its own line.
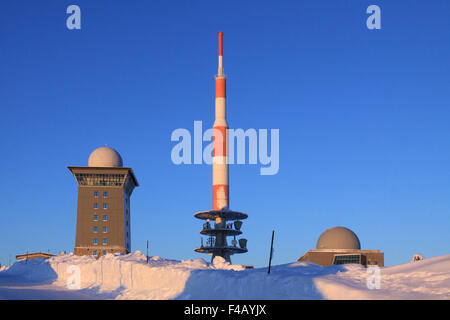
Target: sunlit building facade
340 245
103 212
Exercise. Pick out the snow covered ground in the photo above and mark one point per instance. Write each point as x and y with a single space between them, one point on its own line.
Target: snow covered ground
130 277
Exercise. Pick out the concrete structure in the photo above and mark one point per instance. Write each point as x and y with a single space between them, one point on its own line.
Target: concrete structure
216 244
34 255
340 245
103 214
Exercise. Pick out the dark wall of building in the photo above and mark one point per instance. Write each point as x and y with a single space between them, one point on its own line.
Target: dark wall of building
85 234
322 258
92 184
326 258
374 258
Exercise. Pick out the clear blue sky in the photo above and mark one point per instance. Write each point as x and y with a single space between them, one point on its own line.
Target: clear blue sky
363 118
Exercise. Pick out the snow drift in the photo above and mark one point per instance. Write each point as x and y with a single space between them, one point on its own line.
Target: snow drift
130 277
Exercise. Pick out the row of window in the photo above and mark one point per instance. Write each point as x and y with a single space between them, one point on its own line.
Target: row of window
105 206
105 194
103 252
105 229
105 218
87 179
348 258
105 241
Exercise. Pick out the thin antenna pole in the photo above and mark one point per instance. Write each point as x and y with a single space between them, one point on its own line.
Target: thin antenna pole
271 251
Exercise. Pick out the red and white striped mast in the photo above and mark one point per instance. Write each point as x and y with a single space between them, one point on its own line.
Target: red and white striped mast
220 150
217 244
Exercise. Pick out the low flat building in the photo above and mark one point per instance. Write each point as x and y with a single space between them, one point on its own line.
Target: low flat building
33 255
340 245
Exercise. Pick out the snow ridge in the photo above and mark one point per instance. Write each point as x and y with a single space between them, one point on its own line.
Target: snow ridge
130 277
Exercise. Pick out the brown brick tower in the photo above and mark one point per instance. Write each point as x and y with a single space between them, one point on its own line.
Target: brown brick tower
103 214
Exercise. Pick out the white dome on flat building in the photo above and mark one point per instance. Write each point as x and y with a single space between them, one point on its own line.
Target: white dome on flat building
105 157
338 238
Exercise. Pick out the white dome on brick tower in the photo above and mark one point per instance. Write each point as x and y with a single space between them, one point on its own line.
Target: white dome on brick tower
105 157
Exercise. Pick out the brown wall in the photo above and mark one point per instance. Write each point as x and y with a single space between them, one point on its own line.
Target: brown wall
85 218
374 256
90 251
322 258
116 212
326 258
